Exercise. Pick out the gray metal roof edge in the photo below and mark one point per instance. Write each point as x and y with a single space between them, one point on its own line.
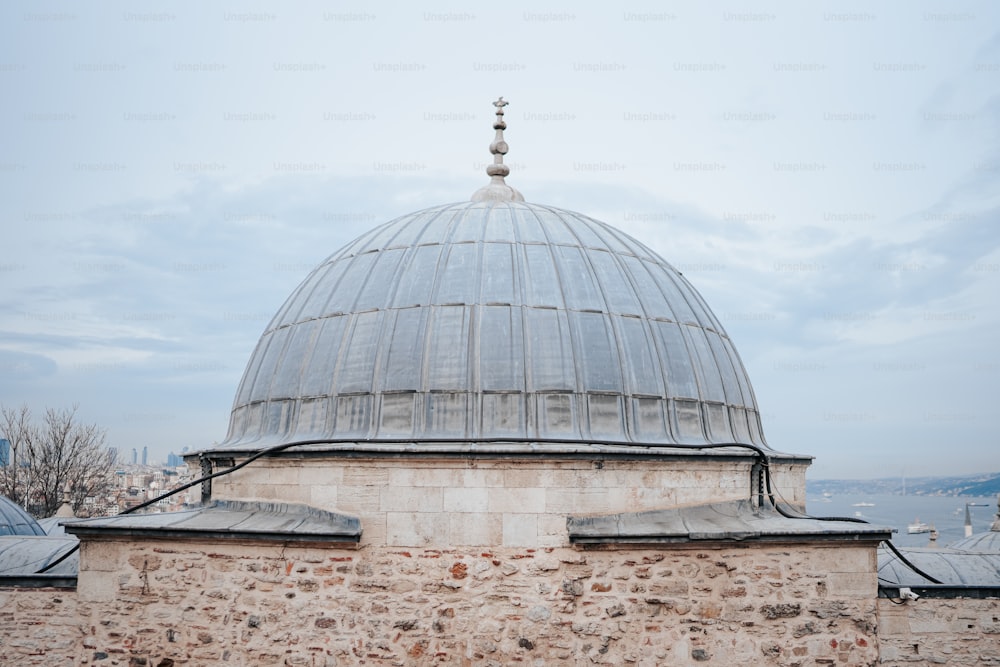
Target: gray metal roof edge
343 528
60 581
943 591
726 522
536 449
283 537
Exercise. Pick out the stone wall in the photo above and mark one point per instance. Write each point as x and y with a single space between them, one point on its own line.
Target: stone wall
514 503
162 603
940 632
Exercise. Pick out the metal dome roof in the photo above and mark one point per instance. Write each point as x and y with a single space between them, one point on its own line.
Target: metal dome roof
488 321
15 521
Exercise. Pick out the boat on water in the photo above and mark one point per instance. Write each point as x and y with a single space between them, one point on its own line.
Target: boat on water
918 526
863 505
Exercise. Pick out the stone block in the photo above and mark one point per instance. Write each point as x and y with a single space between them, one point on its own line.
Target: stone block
517 500
413 499
520 530
576 500
852 585
415 529
359 499
465 499
359 475
321 475
98 586
474 529
481 477
425 475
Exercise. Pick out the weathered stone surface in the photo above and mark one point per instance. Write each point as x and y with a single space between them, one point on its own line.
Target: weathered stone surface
269 605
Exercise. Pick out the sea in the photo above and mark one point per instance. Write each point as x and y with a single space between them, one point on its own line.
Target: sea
945 513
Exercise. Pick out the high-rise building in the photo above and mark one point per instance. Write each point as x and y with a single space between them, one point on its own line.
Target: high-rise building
145 456
135 456
4 452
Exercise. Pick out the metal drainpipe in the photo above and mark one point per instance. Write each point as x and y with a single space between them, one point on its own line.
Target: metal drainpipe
206 486
757 480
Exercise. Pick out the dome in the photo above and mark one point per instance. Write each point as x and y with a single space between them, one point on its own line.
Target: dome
489 321
15 521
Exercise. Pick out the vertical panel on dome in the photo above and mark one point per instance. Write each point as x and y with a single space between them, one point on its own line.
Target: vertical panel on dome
641 364
597 351
417 276
402 363
741 374
527 226
719 428
648 420
618 292
680 375
396 414
541 284
730 383
439 227
501 349
687 416
354 416
550 350
654 304
250 374
709 376
237 423
278 417
741 428
458 282
265 374
498 280
557 415
379 284
756 428
666 282
499 225
580 227
470 225
446 414
317 376
288 374
310 297
314 303
503 414
356 370
343 297
706 317
605 416
312 417
448 348
557 231
577 280
255 420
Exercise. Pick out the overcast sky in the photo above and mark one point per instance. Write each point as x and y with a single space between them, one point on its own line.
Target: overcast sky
826 174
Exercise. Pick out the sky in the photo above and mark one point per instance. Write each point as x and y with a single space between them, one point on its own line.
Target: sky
826 174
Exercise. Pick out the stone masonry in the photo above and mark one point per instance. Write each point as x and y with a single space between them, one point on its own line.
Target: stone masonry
427 501
163 603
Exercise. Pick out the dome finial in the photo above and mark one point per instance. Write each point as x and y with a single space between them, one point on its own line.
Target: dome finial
497 189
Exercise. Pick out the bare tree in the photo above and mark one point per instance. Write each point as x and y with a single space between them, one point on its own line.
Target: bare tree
18 427
59 455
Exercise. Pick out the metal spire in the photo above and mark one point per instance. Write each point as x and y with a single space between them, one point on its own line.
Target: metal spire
497 189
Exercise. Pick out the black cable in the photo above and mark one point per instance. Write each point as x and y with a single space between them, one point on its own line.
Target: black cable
908 564
761 456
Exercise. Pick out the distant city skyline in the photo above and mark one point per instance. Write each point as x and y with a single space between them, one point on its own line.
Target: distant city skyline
825 175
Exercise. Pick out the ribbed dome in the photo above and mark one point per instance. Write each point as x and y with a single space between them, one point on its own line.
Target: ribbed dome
485 321
15 521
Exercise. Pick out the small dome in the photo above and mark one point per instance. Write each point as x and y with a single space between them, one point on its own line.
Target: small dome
489 321
15 521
